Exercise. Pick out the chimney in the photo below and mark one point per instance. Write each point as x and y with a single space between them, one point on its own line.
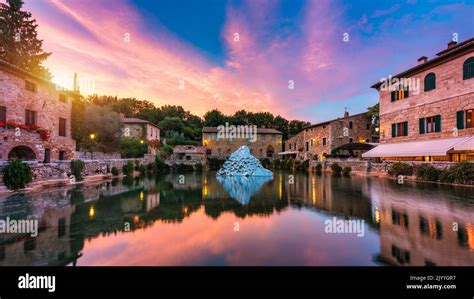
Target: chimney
346 113
452 44
422 60
75 83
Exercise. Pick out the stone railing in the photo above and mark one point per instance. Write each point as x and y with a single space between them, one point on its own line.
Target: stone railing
96 155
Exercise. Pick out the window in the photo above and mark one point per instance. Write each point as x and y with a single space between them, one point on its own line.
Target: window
368 126
62 98
30 117
430 124
350 125
263 137
351 140
464 119
430 82
400 92
290 145
400 129
30 86
312 142
468 69
3 115
62 127
208 137
273 137
61 155
324 141
216 137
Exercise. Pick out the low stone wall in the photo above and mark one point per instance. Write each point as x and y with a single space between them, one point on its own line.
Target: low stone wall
371 167
62 169
96 155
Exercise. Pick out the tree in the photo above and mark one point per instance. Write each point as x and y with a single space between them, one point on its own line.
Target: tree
373 113
171 124
106 125
19 43
261 119
240 117
214 118
281 124
295 126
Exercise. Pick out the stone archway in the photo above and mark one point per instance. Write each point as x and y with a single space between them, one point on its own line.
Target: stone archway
22 152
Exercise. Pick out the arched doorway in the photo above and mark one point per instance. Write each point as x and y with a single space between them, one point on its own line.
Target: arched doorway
270 151
22 152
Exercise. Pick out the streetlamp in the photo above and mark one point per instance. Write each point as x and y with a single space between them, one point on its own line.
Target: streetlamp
92 136
377 129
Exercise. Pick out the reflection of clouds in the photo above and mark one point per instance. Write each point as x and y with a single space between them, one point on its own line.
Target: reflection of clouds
241 188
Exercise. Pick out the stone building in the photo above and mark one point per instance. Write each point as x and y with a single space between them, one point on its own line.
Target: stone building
144 130
189 154
426 112
35 117
267 143
319 140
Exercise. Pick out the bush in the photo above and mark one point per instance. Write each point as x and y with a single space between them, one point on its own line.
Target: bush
427 172
133 148
318 168
305 165
400 168
346 171
115 171
296 164
16 175
150 167
198 167
276 164
336 169
77 166
160 165
462 173
215 164
127 169
445 176
166 150
266 162
142 169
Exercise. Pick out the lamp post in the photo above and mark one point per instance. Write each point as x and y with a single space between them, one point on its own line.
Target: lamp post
92 137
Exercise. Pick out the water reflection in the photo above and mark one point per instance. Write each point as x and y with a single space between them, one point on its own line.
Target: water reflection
242 188
168 221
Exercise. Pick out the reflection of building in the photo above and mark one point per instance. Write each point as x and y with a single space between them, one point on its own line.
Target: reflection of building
35 117
268 143
321 139
429 114
145 130
189 154
423 229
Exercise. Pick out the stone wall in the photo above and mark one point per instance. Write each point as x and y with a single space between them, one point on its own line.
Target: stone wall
258 148
96 155
451 94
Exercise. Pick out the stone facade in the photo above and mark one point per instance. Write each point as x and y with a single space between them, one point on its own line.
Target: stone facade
139 128
49 107
321 139
267 144
188 154
452 93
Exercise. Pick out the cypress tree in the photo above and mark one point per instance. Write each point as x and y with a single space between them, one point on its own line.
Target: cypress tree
19 43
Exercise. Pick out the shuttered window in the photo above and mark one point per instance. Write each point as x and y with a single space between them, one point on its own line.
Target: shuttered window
430 82
400 129
62 127
30 117
430 124
401 92
468 69
30 86
464 119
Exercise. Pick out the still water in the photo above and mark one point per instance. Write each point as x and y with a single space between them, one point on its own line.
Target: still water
200 220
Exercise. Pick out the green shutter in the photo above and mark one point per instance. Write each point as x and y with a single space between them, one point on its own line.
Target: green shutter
422 126
405 128
437 120
392 94
405 91
394 128
460 119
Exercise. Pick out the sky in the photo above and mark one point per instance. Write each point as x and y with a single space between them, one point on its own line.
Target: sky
307 60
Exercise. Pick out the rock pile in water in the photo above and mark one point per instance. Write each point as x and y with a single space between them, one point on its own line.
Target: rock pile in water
242 163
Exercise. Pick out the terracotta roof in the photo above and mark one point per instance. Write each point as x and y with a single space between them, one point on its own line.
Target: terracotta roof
259 130
443 56
133 120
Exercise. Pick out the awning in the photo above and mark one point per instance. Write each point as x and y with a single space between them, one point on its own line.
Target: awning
433 147
465 145
289 153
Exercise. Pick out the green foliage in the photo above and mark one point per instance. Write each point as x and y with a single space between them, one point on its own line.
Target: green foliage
214 118
305 165
198 167
77 166
346 171
427 172
115 171
127 169
19 43
160 165
400 168
16 175
180 168
462 173
106 125
336 168
142 169
266 163
318 168
166 150
133 148
276 164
